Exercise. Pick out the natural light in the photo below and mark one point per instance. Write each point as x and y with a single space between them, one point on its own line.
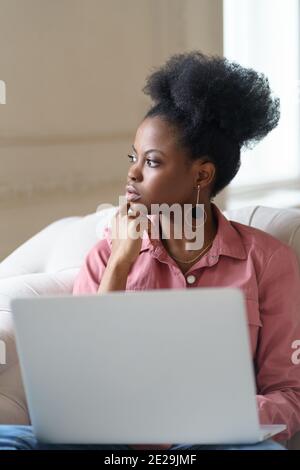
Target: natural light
264 35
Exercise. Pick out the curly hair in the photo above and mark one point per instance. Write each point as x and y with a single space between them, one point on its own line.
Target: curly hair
219 107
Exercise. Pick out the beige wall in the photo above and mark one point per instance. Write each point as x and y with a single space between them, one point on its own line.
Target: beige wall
74 71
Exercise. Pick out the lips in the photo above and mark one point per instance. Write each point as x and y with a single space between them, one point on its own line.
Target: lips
131 189
132 194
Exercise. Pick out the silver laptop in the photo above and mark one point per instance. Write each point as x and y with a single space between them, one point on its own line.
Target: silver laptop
156 366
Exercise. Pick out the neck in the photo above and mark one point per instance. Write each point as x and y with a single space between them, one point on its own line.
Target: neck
177 246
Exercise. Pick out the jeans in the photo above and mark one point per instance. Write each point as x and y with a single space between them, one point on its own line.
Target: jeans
17 437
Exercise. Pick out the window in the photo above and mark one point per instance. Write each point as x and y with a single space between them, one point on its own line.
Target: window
264 35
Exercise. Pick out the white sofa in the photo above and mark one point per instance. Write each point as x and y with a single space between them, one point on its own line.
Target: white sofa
49 262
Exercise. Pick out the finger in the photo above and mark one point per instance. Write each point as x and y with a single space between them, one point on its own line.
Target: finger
132 212
124 208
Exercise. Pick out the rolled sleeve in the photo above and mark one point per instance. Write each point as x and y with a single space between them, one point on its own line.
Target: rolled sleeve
90 274
277 367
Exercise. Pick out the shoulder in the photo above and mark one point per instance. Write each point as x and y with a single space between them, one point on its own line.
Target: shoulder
259 243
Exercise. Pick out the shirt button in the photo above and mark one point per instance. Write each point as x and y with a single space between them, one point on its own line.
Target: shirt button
191 279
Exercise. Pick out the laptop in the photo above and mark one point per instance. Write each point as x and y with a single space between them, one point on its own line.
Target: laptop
139 367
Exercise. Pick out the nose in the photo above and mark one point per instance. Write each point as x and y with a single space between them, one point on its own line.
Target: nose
135 173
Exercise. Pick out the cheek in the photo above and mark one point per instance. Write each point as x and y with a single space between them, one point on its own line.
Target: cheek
167 186
167 192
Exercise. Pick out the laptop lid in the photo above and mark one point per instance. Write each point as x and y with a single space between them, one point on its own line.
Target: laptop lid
151 366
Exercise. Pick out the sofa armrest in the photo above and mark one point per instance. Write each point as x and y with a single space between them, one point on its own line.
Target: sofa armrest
31 256
13 403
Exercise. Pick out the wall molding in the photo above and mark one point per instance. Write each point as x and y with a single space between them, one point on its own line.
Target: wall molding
50 189
18 140
69 150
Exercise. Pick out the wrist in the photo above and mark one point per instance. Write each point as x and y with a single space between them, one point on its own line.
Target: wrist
119 264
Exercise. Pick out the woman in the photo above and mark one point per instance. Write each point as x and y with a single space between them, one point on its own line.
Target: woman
186 150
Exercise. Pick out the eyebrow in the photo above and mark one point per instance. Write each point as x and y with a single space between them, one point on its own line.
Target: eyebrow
148 151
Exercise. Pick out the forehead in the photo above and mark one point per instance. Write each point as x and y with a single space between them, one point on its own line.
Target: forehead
156 132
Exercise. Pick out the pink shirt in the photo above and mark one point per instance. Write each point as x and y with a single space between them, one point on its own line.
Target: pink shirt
265 269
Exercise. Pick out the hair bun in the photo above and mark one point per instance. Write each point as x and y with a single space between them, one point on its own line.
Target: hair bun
210 91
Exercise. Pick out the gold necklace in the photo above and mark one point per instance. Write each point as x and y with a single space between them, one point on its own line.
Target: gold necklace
191 260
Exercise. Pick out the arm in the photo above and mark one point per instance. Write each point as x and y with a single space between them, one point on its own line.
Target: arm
277 372
114 277
107 265
124 250
100 273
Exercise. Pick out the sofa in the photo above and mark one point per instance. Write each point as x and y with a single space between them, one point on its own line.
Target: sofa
48 263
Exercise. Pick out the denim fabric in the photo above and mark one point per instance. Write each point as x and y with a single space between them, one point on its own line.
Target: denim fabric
14 437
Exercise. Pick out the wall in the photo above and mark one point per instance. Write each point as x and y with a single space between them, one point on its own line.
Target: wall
74 72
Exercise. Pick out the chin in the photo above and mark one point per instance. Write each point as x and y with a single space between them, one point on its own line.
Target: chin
135 205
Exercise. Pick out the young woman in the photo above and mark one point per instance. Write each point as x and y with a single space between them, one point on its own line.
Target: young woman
186 150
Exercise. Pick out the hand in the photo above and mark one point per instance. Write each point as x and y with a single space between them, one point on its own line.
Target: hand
127 232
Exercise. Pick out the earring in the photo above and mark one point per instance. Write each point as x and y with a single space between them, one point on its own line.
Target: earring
198 212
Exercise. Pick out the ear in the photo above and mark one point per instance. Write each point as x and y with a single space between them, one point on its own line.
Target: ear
205 173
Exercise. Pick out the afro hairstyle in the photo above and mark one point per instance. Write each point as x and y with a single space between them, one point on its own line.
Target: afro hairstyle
218 106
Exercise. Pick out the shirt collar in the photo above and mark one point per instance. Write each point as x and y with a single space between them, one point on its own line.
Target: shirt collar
227 241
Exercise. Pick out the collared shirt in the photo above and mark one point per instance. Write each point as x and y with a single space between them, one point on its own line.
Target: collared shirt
265 269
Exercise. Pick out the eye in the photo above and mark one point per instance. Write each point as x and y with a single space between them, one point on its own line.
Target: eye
155 164
130 157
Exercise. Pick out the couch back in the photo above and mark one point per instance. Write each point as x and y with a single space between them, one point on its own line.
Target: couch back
64 244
